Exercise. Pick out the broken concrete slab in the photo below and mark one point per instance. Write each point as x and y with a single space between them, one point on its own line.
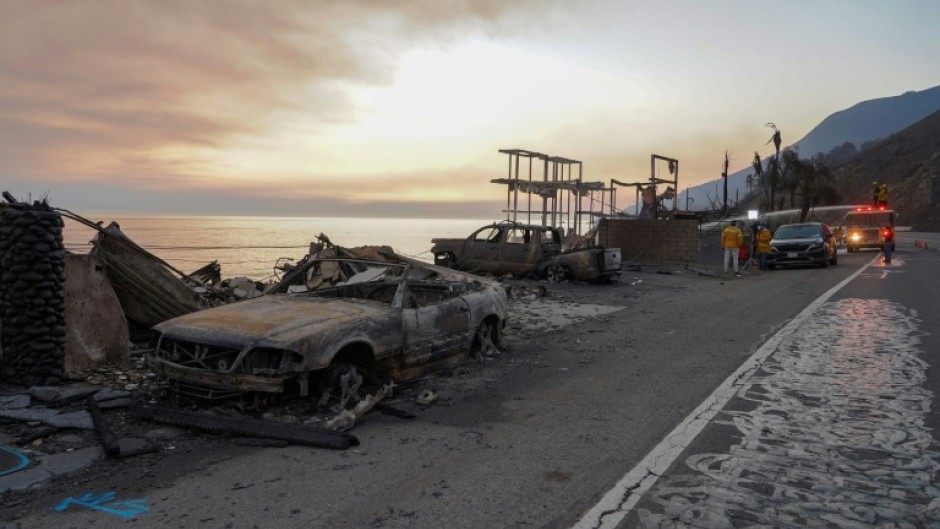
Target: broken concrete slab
58 464
15 402
61 393
49 466
111 394
165 433
75 419
117 403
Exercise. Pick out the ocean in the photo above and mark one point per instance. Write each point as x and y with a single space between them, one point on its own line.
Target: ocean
251 246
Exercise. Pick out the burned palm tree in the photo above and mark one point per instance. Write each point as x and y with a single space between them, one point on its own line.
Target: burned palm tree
759 173
724 176
775 167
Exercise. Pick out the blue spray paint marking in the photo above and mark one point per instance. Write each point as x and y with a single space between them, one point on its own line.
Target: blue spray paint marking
125 509
13 461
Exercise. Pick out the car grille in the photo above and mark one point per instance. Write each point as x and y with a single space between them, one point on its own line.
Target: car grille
196 355
801 247
200 391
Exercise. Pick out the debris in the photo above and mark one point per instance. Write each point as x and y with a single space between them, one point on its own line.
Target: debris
77 419
117 403
258 441
347 418
426 398
291 433
38 433
129 447
165 433
103 429
387 409
14 402
59 395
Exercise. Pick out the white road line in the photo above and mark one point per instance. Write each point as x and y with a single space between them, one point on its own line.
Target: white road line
620 500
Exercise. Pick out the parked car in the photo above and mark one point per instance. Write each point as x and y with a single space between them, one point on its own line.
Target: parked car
526 250
808 243
372 319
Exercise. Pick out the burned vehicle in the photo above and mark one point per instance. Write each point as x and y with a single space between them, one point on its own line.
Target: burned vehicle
371 319
525 250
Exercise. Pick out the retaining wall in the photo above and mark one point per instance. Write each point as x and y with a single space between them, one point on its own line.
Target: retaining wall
649 240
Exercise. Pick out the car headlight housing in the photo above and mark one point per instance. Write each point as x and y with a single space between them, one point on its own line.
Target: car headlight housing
270 361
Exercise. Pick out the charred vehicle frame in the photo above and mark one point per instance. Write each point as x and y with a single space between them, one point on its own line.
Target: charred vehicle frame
374 319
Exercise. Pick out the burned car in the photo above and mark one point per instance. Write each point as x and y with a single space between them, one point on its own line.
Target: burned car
367 318
526 250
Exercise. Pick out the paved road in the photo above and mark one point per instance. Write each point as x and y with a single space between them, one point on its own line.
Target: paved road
538 436
830 425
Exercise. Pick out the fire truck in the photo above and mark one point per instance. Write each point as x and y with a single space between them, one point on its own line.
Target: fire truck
868 226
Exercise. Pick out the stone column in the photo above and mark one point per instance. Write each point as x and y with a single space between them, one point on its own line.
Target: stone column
32 294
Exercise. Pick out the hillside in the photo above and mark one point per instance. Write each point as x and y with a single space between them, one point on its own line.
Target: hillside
908 162
869 120
863 122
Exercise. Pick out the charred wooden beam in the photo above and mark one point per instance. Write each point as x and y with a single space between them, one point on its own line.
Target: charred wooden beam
248 427
103 429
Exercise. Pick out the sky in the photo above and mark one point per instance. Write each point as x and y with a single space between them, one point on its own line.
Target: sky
399 108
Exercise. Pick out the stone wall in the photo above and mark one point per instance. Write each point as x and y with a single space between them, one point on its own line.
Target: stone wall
649 240
32 292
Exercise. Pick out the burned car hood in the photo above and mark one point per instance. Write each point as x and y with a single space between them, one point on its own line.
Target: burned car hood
275 319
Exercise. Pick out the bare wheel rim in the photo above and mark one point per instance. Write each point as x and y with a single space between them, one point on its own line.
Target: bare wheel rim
340 386
483 344
555 273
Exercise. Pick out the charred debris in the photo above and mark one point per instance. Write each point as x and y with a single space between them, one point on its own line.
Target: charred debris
95 386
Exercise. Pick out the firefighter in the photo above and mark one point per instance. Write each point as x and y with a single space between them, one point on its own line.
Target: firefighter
731 239
763 246
883 195
889 243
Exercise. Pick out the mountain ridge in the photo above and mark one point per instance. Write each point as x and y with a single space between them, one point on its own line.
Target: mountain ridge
866 121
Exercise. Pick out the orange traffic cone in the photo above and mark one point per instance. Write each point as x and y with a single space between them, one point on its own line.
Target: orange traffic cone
916 244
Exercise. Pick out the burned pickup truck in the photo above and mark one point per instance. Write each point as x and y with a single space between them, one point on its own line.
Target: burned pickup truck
525 250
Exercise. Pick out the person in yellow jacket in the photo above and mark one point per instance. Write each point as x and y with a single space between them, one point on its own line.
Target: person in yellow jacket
731 240
763 246
883 195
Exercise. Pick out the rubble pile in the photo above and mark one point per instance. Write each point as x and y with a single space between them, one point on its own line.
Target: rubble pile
32 293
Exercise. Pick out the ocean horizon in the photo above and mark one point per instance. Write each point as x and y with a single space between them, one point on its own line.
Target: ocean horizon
251 246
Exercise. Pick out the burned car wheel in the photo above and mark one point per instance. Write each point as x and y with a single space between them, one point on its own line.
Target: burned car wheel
338 387
555 273
445 259
485 340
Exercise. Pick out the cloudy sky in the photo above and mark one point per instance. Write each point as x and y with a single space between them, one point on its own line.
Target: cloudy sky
399 108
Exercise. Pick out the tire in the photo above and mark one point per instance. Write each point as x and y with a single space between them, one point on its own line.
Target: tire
825 261
555 273
339 386
485 340
446 260
851 249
